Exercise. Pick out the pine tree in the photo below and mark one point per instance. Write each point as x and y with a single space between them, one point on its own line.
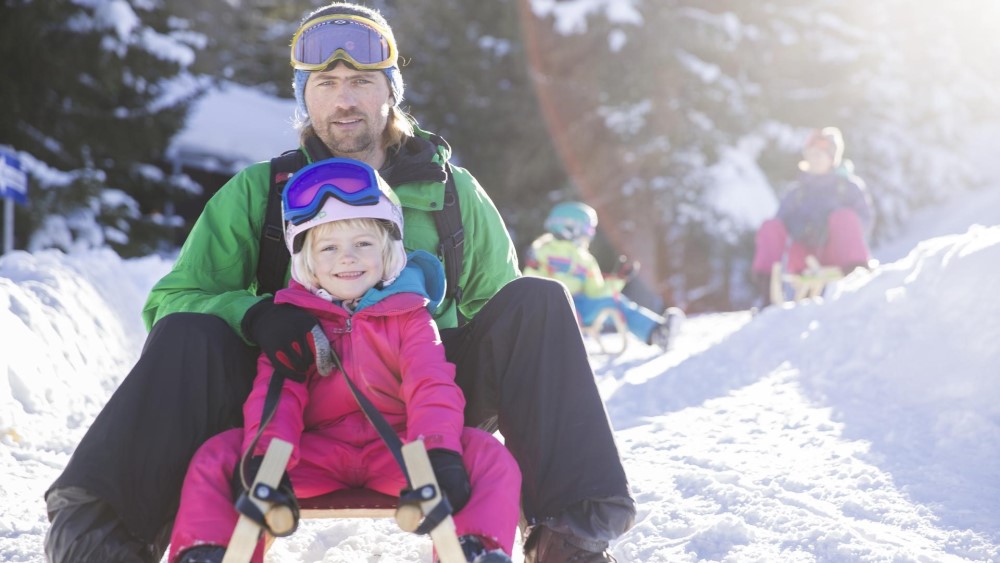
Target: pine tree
94 94
467 80
246 42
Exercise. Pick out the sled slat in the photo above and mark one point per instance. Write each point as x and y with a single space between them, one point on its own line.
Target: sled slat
421 473
349 503
247 532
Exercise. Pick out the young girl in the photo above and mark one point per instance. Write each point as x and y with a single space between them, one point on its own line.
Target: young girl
349 269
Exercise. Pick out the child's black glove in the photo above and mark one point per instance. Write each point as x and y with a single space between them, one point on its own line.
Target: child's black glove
451 476
627 268
283 496
284 333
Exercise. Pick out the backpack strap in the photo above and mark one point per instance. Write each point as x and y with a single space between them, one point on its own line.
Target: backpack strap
273 260
452 236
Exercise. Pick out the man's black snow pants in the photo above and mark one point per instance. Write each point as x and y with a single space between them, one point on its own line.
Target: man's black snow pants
521 364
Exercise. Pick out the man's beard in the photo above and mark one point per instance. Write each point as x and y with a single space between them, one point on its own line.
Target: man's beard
350 144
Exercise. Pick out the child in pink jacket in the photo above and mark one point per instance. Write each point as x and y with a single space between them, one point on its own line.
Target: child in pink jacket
350 271
828 214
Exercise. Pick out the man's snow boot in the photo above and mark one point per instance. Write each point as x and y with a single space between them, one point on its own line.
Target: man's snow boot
546 546
665 334
203 554
86 528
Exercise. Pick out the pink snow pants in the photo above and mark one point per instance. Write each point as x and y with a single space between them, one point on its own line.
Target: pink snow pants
207 516
845 244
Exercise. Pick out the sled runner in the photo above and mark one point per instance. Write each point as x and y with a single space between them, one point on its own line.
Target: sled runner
806 285
410 512
595 329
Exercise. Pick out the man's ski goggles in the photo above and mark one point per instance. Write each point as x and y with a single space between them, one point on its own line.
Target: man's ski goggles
353 39
341 178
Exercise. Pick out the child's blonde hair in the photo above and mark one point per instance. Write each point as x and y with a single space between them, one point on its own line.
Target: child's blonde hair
305 264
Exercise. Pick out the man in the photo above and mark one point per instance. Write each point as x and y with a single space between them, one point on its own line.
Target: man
520 359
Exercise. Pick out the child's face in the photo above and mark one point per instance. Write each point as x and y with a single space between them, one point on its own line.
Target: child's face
820 161
347 260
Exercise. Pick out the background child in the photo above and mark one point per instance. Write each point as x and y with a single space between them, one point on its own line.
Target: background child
349 269
827 214
563 254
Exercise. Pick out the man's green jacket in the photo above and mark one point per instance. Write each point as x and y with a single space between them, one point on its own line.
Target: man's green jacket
216 270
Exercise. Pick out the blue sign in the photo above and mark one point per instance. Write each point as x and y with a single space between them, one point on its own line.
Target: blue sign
13 178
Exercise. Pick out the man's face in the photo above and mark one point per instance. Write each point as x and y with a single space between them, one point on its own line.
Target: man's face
349 110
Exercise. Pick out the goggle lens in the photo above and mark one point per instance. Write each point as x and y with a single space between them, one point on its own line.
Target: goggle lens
342 37
305 193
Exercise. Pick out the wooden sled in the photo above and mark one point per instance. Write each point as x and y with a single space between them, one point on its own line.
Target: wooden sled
350 503
809 284
595 329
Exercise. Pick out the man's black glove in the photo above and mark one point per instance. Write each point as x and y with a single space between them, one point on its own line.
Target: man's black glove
451 476
284 333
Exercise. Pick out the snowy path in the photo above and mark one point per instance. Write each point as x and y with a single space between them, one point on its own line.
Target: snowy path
764 474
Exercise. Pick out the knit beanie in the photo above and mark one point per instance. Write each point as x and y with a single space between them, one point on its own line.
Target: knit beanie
392 73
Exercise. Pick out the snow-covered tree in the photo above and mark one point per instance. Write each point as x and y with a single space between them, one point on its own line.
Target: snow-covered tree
681 121
467 81
93 92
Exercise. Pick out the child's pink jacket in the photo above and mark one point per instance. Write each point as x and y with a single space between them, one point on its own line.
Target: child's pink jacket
392 352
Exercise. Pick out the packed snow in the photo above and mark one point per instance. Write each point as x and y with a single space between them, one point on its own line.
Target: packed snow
861 427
